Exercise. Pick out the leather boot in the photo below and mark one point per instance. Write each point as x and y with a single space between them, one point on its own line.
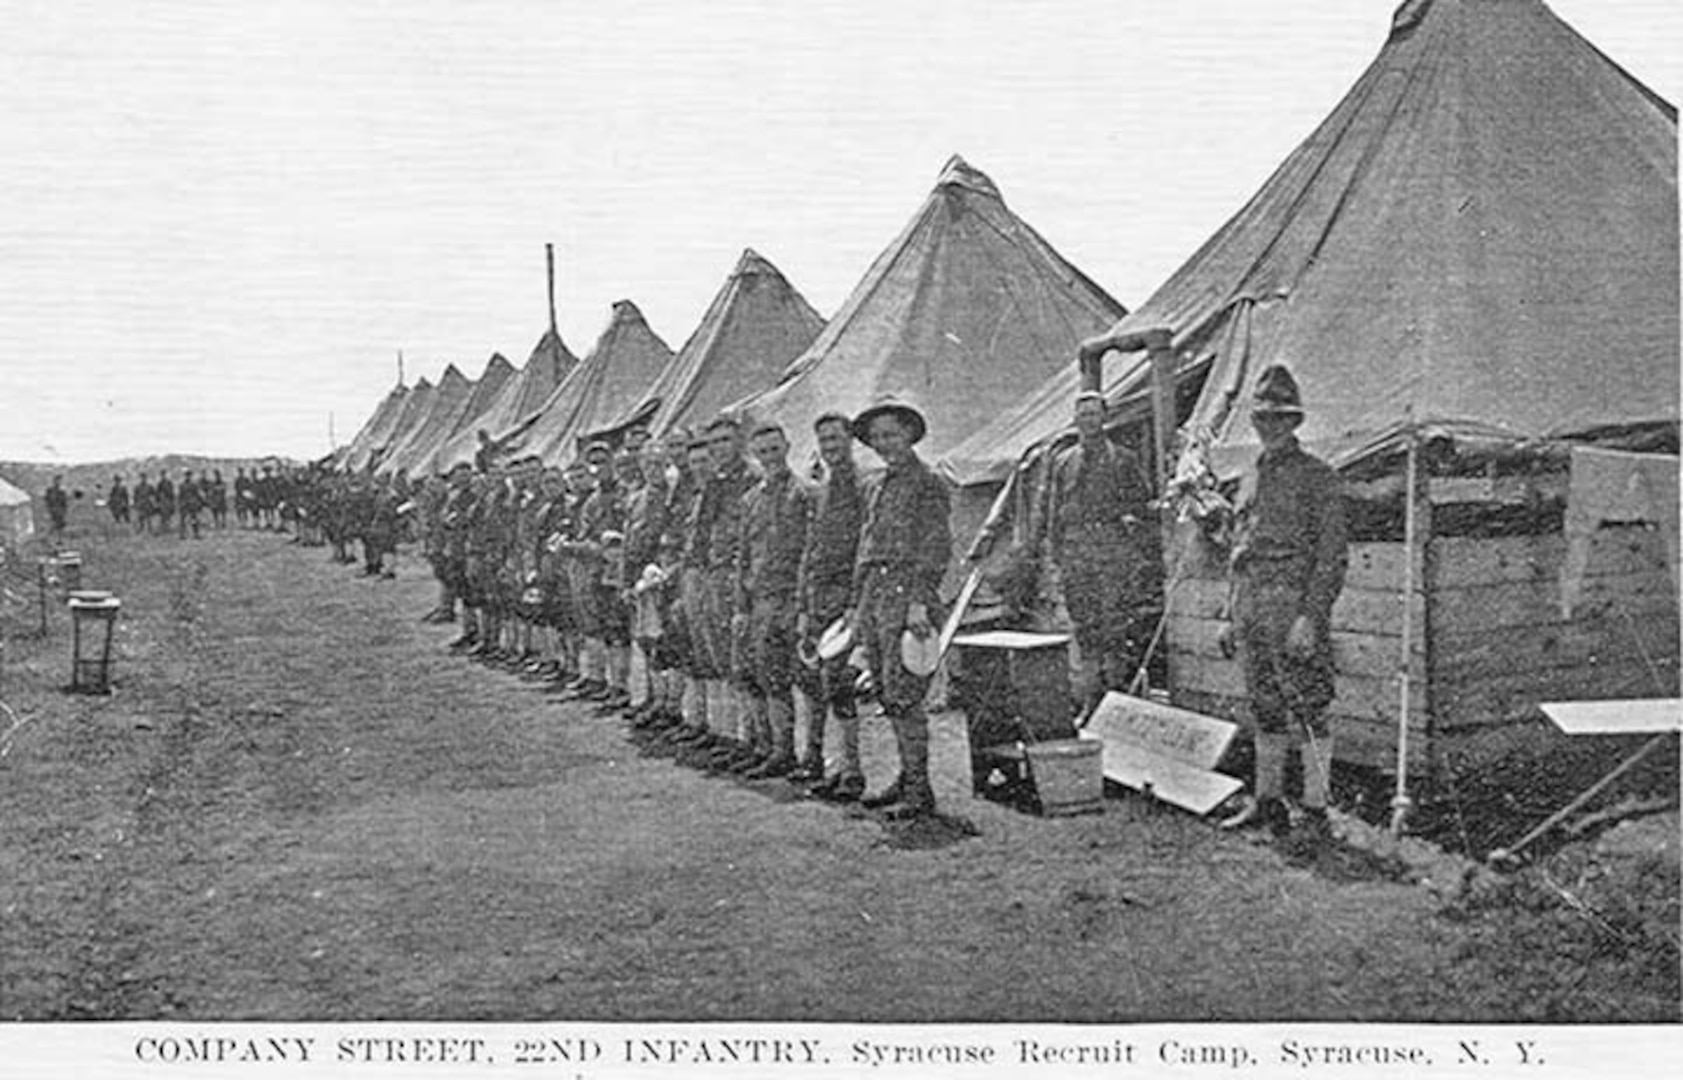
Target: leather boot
917 798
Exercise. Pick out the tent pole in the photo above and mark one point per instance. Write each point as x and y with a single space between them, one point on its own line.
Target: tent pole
1401 802
549 261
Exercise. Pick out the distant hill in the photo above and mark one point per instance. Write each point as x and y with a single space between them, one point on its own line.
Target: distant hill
93 479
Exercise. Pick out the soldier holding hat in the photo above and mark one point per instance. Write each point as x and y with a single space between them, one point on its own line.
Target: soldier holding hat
904 548
1288 564
825 593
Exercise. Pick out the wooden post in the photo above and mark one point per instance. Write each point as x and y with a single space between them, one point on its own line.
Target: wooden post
549 259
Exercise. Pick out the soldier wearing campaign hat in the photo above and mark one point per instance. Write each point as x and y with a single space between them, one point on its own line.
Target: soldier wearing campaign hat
1287 567
904 548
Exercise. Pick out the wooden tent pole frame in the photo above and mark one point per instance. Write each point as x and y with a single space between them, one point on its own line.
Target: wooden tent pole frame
1401 802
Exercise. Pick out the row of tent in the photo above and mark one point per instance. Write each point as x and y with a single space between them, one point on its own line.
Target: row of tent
1481 240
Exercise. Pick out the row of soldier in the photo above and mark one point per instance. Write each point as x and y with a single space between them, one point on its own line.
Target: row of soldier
706 558
186 506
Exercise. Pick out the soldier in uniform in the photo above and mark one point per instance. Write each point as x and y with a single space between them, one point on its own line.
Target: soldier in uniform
216 494
117 501
1104 543
1287 567
163 501
688 541
776 513
719 521
825 593
144 506
904 548
645 525
457 516
189 504
379 537
58 505
242 498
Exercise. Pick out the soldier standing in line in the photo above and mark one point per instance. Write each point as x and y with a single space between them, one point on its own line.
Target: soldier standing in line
1104 542
189 504
645 524
1288 565
689 540
776 514
904 548
458 520
825 593
434 495
163 501
216 494
721 519
242 498
117 501
144 507
379 537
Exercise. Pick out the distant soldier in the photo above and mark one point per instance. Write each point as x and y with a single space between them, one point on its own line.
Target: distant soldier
826 588
216 497
1288 565
1104 543
163 501
244 499
645 577
903 552
189 503
144 506
775 515
58 505
117 501
688 543
460 509
379 532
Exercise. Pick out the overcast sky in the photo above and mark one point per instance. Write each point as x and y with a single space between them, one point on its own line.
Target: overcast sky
223 220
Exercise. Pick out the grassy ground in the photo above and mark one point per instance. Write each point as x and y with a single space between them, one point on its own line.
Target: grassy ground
297 806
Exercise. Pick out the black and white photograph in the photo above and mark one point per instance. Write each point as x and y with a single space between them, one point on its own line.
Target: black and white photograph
840 539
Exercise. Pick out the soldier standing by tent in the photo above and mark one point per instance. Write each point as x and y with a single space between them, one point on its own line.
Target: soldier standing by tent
1104 542
117 501
645 524
58 505
691 603
903 552
776 512
1288 566
825 592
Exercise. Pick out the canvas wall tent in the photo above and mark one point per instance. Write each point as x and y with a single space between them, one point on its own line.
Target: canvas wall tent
1475 255
422 457
519 402
376 431
756 325
415 404
625 360
443 412
1481 238
967 309
17 522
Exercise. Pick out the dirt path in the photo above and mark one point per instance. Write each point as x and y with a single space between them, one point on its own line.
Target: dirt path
299 807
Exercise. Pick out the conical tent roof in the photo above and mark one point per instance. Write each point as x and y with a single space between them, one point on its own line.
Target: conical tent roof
965 310
756 325
426 462
1481 239
376 430
626 359
431 427
519 402
415 404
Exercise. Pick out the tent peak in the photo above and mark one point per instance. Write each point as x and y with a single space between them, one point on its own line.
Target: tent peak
753 263
960 173
626 310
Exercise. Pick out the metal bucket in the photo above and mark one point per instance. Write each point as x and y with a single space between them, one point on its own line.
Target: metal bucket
1068 775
